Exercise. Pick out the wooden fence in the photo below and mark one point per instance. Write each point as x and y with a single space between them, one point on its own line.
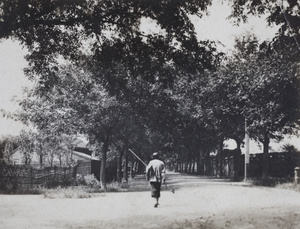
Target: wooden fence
13 177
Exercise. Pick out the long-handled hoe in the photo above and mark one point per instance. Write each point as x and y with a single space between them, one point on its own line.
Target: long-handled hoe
172 190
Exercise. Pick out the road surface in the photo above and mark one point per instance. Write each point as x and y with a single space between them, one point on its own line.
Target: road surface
198 203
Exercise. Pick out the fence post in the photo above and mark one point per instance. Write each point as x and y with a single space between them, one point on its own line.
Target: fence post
297 174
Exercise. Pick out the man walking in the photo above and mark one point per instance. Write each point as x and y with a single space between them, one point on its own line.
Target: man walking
155 172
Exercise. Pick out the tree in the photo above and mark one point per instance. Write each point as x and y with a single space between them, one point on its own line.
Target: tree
196 128
276 109
257 84
77 104
107 38
289 148
109 32
7 146
269 99
230 88
124 73
283 13
26 146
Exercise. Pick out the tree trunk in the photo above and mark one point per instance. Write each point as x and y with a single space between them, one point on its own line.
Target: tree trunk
186 166
237 161
125 169
200 163
132 169
219 157
60 160
189 165
41 160
103 163
137 168
193 166
177 169
51 159
209 166
266 157
119 166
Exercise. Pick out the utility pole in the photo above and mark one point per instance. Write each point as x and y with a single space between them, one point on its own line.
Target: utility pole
247 141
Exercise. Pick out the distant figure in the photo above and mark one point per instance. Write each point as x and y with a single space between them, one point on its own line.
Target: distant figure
155 172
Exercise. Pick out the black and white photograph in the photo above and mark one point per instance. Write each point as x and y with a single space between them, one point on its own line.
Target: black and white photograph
149 114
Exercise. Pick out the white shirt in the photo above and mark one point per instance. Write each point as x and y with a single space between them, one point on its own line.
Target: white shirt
159 170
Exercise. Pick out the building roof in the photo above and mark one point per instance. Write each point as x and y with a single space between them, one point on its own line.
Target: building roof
85 156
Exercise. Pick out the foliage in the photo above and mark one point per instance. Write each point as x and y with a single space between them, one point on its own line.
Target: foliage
284 13
268 95
88 180
264 86
289 186
271 182
7 146
26 146
257 84
109 32
163 89
77 104
290 148
196 112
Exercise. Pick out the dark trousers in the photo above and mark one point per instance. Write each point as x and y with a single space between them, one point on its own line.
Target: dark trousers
155 189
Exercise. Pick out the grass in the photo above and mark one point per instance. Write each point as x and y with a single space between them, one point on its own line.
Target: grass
283 183
289 186
76 192
269 182
79 192
116 187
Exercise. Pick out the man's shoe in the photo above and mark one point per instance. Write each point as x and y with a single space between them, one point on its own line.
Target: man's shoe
156 205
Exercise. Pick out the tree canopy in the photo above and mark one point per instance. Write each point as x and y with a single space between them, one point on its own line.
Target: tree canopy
108 32
99 73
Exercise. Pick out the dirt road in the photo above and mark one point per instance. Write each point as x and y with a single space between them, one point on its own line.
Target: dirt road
197 203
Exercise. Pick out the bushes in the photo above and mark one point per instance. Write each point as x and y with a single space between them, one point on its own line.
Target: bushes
290 186
116 187
270 182
88 180
91 182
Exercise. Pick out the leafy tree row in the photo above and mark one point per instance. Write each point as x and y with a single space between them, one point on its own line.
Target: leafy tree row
258 85
187 121
124 87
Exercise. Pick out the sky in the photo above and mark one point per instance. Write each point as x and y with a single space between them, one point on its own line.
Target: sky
217 27
214 27
12 82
